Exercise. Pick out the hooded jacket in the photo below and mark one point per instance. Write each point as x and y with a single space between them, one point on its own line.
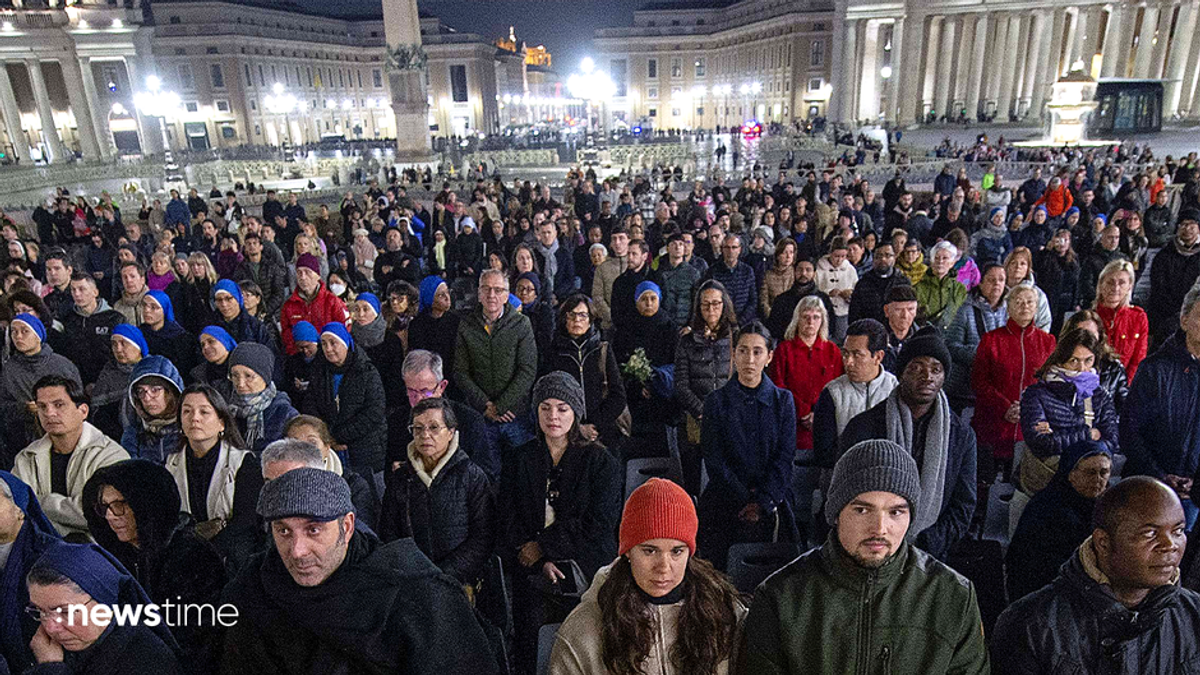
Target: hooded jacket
1076 625
702 365
387 609
579 650
94 450
153 441
938 300
911 615
839 402
449 512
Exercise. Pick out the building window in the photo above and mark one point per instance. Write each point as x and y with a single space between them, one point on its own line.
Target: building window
816 54
191 106
253 104
616 70
651 92
377 77
249 78
652 69
818 27
262 80
175 19
700 66
653 112
676 67
360 79
218 76
211 50
675 112
222 106
458 84
185 76
111 78
310 80
815 84
180 51
700 111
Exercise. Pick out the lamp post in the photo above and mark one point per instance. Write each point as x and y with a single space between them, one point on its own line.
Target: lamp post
157 103
282 103
594 87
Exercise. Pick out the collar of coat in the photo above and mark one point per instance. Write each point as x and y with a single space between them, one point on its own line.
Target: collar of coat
838 563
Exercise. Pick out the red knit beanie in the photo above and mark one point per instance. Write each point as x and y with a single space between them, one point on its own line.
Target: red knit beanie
659 509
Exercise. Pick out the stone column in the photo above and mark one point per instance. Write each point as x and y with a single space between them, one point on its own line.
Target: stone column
962 62
149 128
979 54
1113 50
12 116
1189 97
1034 70
1159 57
996 66
402 30
1181 49
893 83
868 100
1145 48
846 74
945 67
1008 75
908 73
1071 42
99 111
58 151
932 52
1021 56
73 77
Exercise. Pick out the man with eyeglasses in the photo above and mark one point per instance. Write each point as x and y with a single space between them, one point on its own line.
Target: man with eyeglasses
495 361
57 465
738 278
424 380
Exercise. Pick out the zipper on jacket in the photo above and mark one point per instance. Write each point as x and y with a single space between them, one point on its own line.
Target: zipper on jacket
864 627
885 660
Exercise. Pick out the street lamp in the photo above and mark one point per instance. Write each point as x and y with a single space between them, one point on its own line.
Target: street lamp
282 103
592 86
885 72
154 102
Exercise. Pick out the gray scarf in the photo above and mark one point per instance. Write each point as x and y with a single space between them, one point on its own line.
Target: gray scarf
370 335
250 408
551 268
933 462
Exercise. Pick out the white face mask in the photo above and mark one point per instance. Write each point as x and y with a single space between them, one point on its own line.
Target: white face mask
337 289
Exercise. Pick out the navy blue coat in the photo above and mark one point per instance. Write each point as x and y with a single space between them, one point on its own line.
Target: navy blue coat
1057 403
742 286
958 495
1160 421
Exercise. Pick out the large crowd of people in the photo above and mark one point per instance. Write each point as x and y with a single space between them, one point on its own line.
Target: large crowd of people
396 433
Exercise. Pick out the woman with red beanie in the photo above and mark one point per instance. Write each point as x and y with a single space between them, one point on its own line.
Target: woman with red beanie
657 608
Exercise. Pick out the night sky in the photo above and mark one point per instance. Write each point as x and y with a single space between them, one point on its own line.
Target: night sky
564 26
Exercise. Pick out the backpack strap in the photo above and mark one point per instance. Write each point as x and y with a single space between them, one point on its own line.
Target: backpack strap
978 320
603 369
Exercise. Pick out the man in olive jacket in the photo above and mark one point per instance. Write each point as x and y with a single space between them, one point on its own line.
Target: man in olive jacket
866 601
495 360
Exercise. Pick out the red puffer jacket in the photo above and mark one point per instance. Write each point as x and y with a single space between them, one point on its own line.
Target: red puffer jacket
1128 331
805 371
1004 366
324 308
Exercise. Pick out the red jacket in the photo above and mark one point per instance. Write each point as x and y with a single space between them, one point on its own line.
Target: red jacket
805 371
1056 201
1128 333
1005 362
324 308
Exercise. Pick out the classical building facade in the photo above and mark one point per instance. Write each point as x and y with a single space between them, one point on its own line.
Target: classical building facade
245 73
700 64
901 62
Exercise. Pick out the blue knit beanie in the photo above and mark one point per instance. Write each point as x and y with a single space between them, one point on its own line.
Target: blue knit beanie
229 286
370 299
34 323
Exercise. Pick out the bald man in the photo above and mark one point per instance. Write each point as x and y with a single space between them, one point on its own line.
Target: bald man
1116 606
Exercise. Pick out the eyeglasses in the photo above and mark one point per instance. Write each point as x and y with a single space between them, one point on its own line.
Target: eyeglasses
582 315
119 507
433 430
145 390
422 393
715 304
492 290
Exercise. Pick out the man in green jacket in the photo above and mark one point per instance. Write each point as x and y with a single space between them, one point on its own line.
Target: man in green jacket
866 601
495 360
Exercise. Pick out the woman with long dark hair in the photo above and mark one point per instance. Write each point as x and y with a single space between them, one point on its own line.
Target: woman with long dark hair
657 608
1108 363
1057 270
218 478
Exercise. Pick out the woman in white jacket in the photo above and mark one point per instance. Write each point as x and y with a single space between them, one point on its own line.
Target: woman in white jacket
657 609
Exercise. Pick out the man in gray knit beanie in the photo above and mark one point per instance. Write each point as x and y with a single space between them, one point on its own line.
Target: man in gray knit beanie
872 498
840 607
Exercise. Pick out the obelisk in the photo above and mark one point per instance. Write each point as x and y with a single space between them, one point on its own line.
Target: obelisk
405 65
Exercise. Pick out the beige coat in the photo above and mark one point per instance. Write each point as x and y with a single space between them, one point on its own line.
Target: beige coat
578 649
602 284
93 451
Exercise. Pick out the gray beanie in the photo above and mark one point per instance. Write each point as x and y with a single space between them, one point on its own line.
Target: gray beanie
305 493
563 387
872 466
256 357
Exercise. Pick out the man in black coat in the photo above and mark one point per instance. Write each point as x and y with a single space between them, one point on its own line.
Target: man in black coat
785 303
88 322
266 270
1174 271
330 598
871 291
624 304
917 415
1116 606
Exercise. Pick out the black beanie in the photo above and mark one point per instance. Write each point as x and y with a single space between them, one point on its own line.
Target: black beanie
927 342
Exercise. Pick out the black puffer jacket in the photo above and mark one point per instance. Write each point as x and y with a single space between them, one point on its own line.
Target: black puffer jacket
586 512
870 295
1075 625
355 414
702 366
451 520
1113 380
581 360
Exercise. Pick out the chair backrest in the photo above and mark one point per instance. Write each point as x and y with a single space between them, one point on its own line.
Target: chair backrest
750 564
494 600
638 471
546 636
